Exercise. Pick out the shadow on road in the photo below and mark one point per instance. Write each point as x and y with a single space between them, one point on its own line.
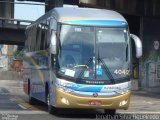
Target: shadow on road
4 90
78 113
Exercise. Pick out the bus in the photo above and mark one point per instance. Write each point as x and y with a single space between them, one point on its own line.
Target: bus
79 58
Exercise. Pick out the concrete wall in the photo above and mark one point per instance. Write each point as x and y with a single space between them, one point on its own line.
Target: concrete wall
7 9
150 62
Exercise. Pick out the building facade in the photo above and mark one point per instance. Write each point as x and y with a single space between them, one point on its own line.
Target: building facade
6 56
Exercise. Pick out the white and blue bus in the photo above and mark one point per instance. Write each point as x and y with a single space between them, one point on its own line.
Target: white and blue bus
79 58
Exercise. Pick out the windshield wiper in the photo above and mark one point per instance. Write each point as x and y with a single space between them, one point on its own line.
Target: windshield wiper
105 68
107 71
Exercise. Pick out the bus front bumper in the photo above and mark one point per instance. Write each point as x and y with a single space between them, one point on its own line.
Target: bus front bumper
66 100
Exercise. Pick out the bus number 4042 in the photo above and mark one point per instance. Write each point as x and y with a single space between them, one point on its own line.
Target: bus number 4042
120 72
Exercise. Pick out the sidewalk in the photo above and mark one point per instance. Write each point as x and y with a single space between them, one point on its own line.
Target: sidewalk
144 102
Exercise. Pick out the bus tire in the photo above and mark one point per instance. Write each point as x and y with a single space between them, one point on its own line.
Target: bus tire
51 109
111 112
32 101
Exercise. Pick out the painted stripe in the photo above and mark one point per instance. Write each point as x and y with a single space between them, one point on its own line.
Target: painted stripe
95 88
25 104
22 106
97 22
22 112
40 73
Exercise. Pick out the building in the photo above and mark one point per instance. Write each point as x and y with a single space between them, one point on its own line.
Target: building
6 56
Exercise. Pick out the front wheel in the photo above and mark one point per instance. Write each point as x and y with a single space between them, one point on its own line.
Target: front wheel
110 112
32 101
51 109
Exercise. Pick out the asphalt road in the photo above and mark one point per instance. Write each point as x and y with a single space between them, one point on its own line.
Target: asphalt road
14 106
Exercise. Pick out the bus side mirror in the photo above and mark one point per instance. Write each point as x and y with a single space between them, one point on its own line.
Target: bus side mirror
138 45
53 42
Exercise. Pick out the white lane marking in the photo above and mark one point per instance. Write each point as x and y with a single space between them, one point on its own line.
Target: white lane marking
147 102
23 112
22 106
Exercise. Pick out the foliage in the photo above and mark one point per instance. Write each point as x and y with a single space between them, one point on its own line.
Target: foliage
18 55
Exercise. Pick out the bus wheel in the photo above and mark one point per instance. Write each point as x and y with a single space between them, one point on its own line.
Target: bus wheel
32 101
110 112
51 109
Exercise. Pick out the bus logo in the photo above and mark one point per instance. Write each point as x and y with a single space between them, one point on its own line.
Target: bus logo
95 94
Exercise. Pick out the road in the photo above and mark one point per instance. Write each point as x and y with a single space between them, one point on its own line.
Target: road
14 106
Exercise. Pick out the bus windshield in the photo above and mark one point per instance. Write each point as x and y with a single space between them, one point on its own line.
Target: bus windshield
93 53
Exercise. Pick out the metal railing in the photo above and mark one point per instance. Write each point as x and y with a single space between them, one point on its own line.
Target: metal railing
14 23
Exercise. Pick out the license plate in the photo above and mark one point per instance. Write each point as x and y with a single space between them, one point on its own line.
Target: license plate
95 102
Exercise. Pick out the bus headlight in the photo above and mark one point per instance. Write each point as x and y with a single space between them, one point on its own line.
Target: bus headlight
65 101
122 103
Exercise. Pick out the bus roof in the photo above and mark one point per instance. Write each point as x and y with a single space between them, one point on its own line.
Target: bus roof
84 16
76 15
87 13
